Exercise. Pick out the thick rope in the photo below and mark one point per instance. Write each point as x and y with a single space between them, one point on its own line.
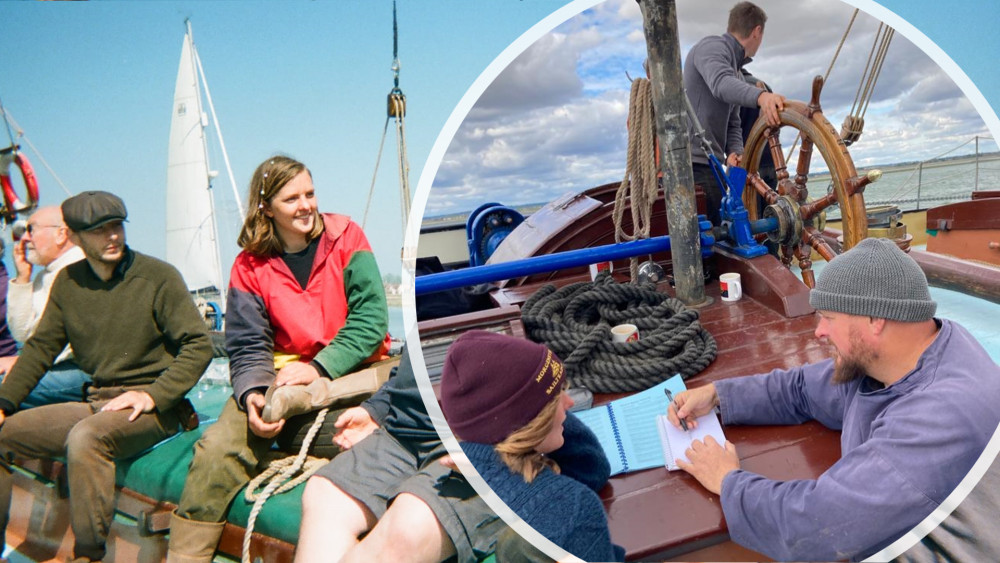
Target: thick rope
639 186
278 476
575 323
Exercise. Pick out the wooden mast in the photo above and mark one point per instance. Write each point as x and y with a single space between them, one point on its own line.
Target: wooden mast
663 48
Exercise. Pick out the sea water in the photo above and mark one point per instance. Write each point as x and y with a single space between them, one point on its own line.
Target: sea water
918 186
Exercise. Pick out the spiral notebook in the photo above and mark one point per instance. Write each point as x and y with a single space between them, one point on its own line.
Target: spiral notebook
627 430
676 441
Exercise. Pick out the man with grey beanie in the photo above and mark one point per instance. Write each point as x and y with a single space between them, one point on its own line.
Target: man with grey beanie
915 399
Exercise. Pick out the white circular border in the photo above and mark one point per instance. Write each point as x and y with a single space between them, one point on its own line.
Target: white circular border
412 233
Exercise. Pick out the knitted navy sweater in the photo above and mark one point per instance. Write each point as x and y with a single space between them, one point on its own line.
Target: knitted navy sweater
562 507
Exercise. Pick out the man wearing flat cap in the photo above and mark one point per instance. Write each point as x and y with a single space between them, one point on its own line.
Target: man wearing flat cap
133 325
915 399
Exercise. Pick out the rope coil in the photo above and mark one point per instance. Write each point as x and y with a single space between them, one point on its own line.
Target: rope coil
639 188
278 477
575 322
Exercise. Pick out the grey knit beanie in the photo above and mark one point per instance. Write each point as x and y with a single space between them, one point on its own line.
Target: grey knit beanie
874 279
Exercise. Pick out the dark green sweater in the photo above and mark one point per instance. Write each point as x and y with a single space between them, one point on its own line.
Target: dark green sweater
141 327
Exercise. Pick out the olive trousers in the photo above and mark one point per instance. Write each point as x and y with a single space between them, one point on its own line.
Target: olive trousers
229 455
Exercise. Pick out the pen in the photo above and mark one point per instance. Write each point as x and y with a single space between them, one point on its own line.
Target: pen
670 397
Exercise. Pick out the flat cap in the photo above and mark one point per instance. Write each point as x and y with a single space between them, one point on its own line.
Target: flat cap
89 210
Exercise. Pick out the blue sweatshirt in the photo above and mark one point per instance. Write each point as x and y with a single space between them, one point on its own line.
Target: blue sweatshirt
562 507
904 448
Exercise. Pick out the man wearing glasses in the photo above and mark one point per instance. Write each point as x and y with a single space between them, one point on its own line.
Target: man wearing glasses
46 245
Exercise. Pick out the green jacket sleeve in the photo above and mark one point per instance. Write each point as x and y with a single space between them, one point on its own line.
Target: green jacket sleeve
367 318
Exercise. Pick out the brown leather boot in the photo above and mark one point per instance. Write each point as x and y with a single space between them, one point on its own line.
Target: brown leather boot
192 541
347 390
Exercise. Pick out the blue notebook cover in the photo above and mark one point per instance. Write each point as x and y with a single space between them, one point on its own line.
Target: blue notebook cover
627 427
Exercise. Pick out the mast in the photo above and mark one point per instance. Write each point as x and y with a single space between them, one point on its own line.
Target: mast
191 236
663 47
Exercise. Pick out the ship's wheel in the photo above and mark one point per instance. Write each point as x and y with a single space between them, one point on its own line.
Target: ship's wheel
800 219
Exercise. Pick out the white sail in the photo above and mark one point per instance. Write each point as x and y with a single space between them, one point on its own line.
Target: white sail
191 234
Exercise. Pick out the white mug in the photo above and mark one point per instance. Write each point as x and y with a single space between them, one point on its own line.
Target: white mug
624 333
731 287
600 267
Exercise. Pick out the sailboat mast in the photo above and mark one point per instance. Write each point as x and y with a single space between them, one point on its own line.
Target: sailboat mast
214 231
191 235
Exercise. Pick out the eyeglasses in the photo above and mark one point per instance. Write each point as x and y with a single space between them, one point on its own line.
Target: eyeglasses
31 228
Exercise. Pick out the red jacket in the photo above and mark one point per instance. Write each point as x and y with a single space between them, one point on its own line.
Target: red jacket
338 321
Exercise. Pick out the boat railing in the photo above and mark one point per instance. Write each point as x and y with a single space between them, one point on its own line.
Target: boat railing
948 177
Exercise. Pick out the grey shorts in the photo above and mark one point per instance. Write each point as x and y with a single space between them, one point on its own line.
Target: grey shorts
379 468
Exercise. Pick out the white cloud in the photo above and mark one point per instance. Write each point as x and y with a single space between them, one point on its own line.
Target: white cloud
554 120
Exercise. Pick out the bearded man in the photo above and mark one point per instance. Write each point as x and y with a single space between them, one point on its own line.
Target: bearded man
915 399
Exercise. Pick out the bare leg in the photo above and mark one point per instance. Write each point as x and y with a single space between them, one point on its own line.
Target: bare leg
408 531
332 521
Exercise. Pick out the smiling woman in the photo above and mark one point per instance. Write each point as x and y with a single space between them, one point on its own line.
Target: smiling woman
305 302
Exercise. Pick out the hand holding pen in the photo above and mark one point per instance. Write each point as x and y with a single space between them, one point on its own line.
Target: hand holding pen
671 411
688 405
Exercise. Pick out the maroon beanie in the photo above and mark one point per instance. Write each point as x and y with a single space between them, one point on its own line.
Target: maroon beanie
493 384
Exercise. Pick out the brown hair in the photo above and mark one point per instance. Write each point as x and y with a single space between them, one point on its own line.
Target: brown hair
258 235
744 17
518 450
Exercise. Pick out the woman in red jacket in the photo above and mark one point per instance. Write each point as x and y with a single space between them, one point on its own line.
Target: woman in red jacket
305 301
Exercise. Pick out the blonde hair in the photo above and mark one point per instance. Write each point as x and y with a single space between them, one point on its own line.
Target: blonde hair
258 235
518 451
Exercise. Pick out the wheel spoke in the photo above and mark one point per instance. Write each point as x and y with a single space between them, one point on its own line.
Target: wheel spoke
802 169
803 252
761 187
811 209
774 143
812 237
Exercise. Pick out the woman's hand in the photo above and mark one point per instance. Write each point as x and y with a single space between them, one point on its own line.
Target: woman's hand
355 424
267 430
296 373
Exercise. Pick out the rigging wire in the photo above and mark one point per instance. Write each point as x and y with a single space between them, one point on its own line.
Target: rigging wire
836 54
9 120
396 109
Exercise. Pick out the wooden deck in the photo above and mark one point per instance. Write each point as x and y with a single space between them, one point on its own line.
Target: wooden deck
661 515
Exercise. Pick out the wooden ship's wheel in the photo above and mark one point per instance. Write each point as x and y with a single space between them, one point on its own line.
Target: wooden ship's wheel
799 218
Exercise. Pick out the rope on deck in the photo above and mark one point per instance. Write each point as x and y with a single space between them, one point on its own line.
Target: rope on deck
575 323
278 477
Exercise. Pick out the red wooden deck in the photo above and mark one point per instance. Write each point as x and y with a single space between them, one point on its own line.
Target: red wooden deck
661 515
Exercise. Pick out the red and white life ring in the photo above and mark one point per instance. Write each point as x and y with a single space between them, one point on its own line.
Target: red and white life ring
13 203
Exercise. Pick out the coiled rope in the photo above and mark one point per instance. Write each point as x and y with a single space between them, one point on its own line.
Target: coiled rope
639 186
575 323
278 477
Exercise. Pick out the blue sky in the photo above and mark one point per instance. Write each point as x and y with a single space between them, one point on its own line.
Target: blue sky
553 121
91 85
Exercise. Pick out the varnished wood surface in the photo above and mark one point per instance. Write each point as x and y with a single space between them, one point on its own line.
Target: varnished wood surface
656 514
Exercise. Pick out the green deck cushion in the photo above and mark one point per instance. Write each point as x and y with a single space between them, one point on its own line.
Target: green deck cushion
159 473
